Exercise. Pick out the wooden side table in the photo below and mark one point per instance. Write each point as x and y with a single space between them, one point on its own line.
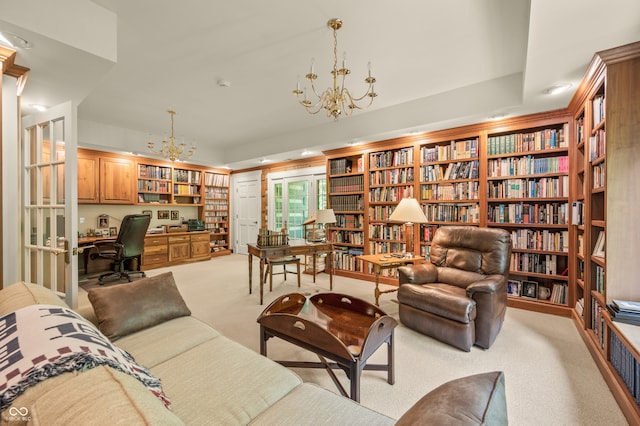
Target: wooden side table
387 261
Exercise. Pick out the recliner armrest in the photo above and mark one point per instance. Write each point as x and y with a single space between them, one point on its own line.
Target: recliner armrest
491 284
417 274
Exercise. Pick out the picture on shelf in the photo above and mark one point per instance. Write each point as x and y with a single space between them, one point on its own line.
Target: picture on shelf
163 214
113 231
530 289
147 212
514 287
175 214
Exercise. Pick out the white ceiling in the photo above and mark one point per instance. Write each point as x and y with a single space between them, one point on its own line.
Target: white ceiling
438 64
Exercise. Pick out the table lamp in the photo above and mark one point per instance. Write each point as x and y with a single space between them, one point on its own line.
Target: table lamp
322 218
409 212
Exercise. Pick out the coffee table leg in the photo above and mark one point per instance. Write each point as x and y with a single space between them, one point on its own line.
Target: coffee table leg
263 341
250 272
391 376
262 279
354 373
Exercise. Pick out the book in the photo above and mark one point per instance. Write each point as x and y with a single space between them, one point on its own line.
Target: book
627 305
598 248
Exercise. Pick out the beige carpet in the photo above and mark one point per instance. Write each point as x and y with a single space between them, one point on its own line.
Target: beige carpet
550 376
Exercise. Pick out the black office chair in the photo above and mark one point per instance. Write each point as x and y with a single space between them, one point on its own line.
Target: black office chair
128 246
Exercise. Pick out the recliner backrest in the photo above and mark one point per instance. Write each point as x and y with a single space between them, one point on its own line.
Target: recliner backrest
132 232
484 251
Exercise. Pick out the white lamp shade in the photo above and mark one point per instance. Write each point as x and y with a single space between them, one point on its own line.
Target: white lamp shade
325 216
408 211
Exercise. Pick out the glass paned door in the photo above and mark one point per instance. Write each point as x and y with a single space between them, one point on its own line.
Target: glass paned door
49 153
297 207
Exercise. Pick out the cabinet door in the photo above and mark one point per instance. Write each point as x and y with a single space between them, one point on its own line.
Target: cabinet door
200 245
88 175
179 248
116 181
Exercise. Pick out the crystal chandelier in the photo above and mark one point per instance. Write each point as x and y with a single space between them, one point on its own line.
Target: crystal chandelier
169 149
336 100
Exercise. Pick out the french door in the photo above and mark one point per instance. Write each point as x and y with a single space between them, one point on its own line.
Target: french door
49 200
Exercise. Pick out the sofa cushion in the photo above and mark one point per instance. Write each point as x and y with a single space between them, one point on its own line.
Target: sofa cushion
222 382
21 294
126 308
309 404
471 400
91 397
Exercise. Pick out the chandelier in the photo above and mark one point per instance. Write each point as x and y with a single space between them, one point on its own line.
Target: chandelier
169 149
336 100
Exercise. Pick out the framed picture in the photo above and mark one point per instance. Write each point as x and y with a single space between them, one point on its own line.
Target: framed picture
530 289
103 221
514 288
147 212
163 214
175 214
113 231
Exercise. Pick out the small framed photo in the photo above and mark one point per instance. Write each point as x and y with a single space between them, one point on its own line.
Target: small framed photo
147 212
514 288
175 214
530 289
113 231
163 214
103 221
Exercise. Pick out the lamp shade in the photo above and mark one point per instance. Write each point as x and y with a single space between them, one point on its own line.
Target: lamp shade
325 216
408 211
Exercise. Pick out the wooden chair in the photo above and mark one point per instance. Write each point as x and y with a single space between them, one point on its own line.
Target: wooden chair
284 261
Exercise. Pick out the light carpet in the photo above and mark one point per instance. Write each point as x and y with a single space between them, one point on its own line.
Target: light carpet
550 376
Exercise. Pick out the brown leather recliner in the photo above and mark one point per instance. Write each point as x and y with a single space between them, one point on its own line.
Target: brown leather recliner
460 297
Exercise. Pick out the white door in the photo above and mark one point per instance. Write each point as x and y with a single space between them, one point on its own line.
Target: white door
247 214
50 186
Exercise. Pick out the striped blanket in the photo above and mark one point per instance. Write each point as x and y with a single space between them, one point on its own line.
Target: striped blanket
42 341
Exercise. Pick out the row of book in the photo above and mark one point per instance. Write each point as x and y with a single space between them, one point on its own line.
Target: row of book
216 179
450 191
391 176
400 157
535 262
529 213
552 187
627 366
220 205
624 311
341 203
455 212
597 145
379 247
386 232
527 165
455 150
188 176
599 176
340 166
536 239
348 237
154 186
185 189
451 171
527 142
346 184
154 172
349 221
390 193
214 192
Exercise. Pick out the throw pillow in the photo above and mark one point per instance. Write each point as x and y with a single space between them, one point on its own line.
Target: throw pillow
126 308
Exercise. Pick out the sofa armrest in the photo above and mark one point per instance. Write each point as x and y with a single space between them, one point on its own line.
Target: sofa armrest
421 273
471 400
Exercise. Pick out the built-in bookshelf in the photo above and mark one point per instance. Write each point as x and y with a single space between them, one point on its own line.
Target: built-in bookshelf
528 192
216 211
449 185
390 179
154 184
346 186
187 186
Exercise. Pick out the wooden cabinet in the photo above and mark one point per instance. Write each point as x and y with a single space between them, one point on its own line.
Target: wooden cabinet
216 211
104 178
162 250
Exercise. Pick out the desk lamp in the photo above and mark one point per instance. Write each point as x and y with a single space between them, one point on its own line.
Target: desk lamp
322 218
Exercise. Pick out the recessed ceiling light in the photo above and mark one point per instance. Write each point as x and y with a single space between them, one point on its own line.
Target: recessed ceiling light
354 143
306 152
264 160
498 116
12 40
39 107
557 89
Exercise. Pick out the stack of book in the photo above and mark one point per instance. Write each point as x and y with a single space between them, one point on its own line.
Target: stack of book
625 311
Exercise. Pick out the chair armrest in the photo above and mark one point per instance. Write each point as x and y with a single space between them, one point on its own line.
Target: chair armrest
491 284
471 400
417 274
110 247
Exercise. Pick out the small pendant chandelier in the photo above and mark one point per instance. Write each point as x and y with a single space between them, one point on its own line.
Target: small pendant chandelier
169 149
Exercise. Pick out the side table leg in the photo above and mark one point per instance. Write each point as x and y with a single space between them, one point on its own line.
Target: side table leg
263 341
250 272
262 279
377 291
391 376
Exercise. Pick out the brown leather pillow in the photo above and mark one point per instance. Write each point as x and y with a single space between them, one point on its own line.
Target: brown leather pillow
126 308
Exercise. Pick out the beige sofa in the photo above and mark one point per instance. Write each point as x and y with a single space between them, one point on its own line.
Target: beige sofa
209 378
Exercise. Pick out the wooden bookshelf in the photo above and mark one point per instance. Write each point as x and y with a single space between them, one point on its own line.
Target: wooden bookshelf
216 211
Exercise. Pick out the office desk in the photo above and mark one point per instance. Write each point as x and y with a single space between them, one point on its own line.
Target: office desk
308 249
386 261
85 244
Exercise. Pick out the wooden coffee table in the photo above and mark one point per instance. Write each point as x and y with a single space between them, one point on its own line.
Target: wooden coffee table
341 328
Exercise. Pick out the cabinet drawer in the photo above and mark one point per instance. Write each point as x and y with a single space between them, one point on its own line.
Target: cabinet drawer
154 241
179 239
160 249
154 259
200 237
